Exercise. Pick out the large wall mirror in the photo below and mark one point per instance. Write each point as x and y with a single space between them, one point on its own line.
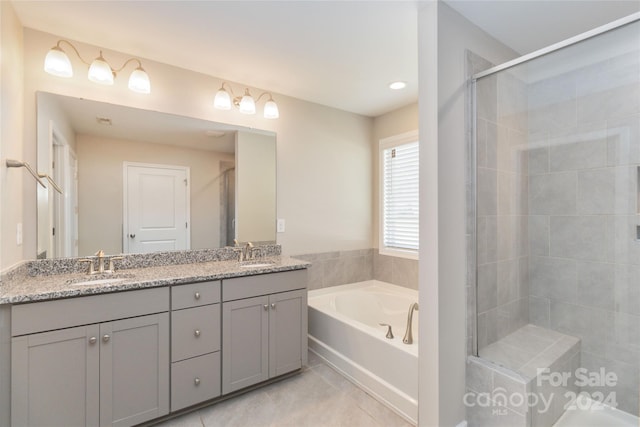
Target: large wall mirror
139 181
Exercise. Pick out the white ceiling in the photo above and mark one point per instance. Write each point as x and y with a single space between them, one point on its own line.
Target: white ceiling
337 53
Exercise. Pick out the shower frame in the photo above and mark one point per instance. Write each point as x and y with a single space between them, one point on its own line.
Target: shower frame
472 122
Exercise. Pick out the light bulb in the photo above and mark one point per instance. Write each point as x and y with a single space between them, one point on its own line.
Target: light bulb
57 63
222 100
139 81
100 72
271 110
247 104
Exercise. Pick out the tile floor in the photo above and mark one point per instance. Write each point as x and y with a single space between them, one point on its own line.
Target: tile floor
319 396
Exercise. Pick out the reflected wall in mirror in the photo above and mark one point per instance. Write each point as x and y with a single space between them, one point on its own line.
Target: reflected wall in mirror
141 181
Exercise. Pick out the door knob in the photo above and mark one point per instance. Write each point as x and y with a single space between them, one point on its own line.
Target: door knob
133 236
92 340
196 381
196 332
106 338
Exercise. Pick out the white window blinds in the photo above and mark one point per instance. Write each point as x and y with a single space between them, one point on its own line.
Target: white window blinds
400 196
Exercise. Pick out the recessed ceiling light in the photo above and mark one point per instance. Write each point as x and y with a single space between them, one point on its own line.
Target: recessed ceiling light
214 133
104 121
397 85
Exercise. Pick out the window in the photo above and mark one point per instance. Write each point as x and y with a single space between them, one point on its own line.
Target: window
399 195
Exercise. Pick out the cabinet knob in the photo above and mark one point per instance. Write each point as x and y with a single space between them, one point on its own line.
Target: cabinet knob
93 340
196 295
196 332
106 338
196 381
273 305
266 306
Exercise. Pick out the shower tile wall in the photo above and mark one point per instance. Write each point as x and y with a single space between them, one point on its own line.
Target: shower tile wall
584 256
502 236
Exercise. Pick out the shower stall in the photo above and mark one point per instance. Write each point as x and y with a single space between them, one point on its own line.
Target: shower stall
555 233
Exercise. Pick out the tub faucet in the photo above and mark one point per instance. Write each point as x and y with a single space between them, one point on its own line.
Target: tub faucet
408 337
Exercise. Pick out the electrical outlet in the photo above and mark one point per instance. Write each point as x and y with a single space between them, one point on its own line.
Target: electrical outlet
280 226
19 234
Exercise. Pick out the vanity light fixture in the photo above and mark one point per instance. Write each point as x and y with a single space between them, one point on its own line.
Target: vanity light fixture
57 63
245 103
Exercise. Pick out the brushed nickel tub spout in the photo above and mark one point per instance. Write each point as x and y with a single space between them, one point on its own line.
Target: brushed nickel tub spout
408 337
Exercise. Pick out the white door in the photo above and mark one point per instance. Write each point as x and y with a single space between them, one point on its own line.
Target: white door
156 208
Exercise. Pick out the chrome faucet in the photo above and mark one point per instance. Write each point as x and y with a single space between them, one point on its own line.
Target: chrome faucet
408 337
101 261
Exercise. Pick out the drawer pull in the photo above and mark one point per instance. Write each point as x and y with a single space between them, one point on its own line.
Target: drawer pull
196 295
93 340
196 332
106 338
196 381
266 306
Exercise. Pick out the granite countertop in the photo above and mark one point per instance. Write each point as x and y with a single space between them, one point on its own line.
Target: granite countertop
24 288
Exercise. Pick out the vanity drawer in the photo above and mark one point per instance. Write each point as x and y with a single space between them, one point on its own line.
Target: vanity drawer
195 294
195 331
263 284
195 380
65 313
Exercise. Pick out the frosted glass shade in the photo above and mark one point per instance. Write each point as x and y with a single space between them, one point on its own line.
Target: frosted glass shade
57 63
100 72
139 81
247 104
222 100
271 110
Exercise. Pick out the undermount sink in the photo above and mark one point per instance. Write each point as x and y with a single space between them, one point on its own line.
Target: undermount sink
100 279
98 282
255 264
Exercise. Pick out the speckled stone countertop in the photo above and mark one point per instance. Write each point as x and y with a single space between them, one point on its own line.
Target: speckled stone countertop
21 288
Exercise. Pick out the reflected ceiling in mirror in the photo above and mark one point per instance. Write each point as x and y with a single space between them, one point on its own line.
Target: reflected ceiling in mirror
142 181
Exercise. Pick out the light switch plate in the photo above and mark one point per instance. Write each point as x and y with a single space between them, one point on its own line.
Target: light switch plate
280 226
19 234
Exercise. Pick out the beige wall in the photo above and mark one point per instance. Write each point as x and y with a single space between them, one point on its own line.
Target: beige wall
324 155
17 188
396 122
100 189
255 188
444 37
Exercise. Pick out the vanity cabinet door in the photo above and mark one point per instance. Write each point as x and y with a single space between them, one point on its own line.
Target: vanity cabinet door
54 378
134 370
245 335
287 330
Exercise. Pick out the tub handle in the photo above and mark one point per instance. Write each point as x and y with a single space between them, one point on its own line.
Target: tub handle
389 331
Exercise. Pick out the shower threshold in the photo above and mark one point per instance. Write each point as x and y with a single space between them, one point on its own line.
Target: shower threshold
589 414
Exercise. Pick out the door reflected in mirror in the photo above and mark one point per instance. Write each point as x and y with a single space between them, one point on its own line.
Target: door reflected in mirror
138 181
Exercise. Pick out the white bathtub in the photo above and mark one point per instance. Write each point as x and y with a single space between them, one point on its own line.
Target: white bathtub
344 331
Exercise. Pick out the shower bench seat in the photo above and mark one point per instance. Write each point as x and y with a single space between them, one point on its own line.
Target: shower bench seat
529 375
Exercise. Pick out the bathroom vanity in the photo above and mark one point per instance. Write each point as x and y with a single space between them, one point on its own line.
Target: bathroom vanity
151 341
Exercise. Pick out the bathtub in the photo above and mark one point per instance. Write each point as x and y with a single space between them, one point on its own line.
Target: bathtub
344 331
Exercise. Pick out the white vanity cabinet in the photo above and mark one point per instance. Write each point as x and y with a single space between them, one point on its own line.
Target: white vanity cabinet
94 360
264 327
195 343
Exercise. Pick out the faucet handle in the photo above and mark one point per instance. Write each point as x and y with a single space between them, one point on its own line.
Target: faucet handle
112 268
100 253
90 261
389 331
